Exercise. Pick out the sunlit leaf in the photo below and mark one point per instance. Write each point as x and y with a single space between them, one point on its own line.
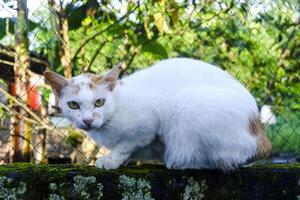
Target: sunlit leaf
161 23
147 22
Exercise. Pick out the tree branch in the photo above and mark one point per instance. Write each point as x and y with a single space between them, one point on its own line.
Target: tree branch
99 33
96 54
283 55
9 109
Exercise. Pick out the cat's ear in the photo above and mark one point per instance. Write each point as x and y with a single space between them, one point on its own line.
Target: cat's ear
56 81
111 77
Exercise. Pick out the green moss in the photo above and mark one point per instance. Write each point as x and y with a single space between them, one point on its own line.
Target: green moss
139 170
269 165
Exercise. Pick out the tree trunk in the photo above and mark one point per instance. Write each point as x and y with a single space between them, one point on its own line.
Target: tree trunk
55 39
65 57
91 10
61 41
19 88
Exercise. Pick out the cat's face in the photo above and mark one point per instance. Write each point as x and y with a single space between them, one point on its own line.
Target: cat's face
86 100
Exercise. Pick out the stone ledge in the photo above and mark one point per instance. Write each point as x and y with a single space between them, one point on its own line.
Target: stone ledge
29 181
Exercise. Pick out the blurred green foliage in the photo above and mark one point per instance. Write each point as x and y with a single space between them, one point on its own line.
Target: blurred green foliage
284 134
74 138
258 41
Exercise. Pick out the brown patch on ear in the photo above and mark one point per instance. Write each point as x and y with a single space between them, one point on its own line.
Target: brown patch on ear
95 80
111 83
56 81
264 147
112 76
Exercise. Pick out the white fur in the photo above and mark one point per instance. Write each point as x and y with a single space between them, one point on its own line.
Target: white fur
200 113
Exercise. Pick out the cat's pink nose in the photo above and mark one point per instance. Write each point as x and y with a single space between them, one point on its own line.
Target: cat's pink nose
88 122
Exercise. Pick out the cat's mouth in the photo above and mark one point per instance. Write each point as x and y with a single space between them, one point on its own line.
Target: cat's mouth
86 128
104 125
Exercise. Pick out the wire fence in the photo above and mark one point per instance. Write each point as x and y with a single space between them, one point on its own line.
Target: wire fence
258 42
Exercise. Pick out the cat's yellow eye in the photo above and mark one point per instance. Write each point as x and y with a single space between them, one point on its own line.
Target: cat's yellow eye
73 105
99 102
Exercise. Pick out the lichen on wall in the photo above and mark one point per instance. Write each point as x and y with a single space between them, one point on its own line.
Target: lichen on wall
135 189
83 188
11 191
54 189
81 184
194 190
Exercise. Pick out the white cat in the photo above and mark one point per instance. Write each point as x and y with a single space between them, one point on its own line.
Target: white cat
202 116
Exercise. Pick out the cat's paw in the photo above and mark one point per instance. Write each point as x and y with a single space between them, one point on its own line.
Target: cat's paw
107 162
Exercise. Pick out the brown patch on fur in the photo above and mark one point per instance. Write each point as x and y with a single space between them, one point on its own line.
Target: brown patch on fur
89 75
96 115
75 89
256 127
264 147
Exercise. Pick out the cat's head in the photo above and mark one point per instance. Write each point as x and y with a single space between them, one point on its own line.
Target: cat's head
86 100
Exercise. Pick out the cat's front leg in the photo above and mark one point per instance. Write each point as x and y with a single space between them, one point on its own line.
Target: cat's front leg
119 154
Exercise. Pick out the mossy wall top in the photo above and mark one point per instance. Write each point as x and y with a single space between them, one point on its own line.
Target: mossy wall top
28 181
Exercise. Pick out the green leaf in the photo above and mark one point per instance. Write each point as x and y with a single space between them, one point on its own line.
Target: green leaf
154 49
11 22
147 27
75 15
3 23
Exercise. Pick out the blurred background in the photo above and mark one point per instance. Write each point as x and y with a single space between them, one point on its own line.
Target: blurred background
257 41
